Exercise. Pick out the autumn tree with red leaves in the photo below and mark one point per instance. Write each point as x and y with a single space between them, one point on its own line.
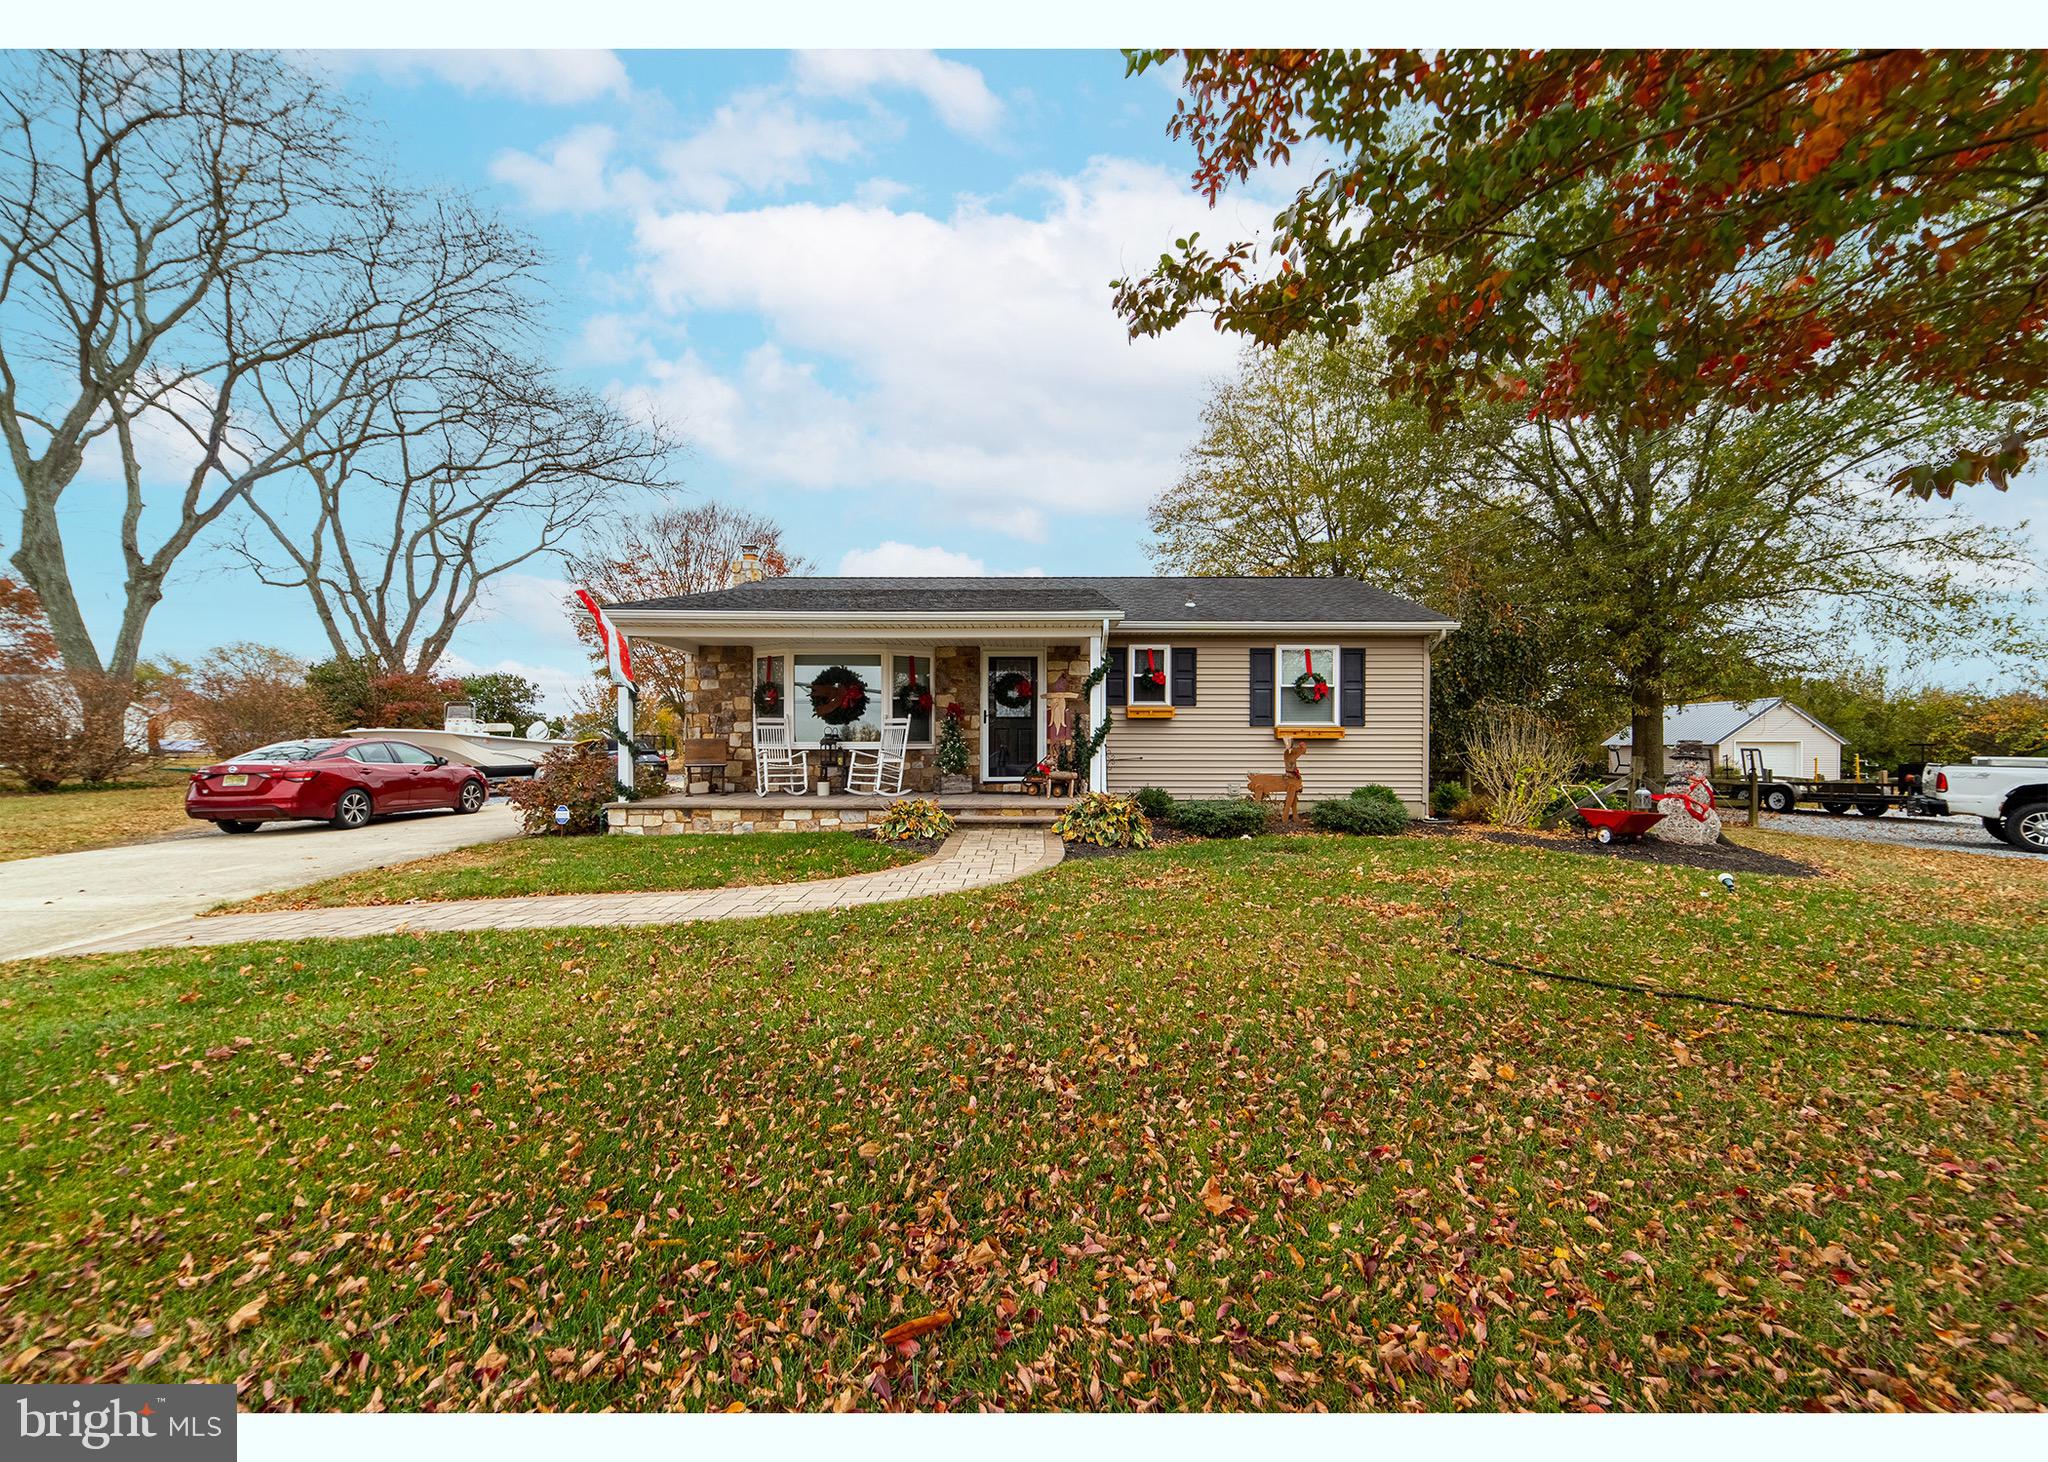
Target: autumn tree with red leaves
676 551
1748 227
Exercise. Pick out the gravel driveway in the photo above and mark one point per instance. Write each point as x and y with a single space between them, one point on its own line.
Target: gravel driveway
1938 834
49 904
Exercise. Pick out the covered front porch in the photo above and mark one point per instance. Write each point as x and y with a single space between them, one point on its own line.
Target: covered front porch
748 812
1010 679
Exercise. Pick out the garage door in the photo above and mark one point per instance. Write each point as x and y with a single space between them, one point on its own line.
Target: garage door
1781 758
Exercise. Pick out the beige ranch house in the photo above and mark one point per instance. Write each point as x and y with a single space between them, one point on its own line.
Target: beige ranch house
1209 679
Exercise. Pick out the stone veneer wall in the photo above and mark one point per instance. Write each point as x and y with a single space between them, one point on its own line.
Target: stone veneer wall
720 688
823 817
956 676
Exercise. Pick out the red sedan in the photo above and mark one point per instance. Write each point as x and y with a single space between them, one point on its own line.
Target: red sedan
343 780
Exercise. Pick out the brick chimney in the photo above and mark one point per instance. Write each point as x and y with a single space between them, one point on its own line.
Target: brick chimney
750 563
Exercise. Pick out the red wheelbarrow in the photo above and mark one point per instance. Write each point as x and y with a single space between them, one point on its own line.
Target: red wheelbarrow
1616 824
1626 824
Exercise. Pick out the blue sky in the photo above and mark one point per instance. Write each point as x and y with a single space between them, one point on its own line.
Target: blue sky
870 289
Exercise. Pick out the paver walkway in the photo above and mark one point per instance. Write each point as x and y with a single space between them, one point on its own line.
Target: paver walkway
971 859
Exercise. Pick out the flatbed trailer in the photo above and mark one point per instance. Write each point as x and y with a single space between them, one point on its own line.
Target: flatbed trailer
1839 796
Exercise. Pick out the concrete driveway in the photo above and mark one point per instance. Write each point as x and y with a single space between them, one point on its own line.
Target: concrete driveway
49 904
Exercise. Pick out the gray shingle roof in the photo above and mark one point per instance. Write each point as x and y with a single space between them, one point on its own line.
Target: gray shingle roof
1143 599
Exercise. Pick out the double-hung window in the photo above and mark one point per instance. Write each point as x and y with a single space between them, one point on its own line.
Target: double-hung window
910 694
1151 672
1307 691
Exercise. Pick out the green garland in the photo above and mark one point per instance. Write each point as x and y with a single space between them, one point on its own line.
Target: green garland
1095 677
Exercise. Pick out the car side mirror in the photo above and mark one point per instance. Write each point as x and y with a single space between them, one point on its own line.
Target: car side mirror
440 761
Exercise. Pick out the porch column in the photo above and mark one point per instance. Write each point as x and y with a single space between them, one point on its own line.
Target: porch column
1098 708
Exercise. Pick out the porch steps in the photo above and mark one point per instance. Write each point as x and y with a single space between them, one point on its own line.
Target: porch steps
1009 817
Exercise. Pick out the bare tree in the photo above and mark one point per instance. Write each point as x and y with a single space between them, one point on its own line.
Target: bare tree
683 550
181 235
409 501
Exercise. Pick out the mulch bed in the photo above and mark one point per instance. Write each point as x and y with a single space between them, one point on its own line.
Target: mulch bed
1718 858
923 847
1090 850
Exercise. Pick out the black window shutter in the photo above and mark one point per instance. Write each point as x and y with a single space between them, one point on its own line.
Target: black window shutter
1262 687
1119 683
1351 687
1183 676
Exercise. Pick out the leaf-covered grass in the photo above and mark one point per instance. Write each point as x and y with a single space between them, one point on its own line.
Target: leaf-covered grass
73 819
602 864
1219 1124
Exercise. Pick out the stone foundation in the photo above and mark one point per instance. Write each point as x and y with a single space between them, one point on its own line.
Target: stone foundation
659 820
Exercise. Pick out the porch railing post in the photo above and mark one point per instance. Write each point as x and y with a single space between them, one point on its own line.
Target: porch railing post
1098 708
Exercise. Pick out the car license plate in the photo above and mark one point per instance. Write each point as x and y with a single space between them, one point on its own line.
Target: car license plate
241 781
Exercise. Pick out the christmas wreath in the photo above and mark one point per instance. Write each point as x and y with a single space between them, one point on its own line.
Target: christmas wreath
1153 671
768 698
839 697
1012 690
1310 688
913 699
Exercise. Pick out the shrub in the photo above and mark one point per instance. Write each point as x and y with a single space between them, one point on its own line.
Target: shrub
914 818
1106 821
1517 757
581 778
1374 792
1473 809
38 729
1155 802
1444 800
1360 815
1222 817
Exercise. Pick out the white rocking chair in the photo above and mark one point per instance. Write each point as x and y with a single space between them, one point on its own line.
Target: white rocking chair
778 766
877 768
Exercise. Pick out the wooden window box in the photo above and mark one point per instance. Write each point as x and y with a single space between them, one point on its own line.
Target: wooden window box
1309 733
1148 713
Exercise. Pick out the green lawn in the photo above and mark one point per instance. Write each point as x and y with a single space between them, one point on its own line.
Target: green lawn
594 865
149 804
1217 1125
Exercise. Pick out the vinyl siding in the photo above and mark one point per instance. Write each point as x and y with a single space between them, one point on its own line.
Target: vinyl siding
1208 749
1780 725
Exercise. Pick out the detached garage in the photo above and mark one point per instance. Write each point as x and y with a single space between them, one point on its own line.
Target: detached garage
1789 742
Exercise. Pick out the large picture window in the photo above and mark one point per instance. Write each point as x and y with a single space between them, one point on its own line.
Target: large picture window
1295 697
807 728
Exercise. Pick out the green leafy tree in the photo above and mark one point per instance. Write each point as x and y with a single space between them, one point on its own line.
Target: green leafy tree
342 687
1747 227
501 697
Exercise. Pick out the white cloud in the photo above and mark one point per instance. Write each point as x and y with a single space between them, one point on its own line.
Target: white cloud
890 558
554 77
881 193
955 90
757 142
570 176
973 356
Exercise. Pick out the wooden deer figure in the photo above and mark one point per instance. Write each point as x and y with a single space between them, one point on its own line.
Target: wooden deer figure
1262 785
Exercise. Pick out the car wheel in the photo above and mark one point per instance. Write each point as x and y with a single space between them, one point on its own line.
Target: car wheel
236 827
471 797
1995 826
1778 799
353 810
2026 828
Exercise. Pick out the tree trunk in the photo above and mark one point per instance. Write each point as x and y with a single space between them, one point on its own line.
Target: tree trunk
40 558
1646 737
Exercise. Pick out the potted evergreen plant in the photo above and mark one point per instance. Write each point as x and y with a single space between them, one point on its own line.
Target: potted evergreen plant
951 753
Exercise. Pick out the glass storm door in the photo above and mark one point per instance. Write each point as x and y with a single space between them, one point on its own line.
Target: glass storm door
1012 730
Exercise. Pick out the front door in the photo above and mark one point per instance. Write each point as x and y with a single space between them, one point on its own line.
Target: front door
1012 716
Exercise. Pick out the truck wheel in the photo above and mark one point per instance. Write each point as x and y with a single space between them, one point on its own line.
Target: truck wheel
1871 809
2026 828
1995 826
1837 808
1778 799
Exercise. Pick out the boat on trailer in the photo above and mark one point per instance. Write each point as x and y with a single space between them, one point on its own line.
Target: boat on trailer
489 746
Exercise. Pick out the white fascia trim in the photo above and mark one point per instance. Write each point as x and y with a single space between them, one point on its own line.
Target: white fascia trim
654 619
1297 627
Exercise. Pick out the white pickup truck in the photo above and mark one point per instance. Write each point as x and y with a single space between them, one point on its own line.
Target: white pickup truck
2009 792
